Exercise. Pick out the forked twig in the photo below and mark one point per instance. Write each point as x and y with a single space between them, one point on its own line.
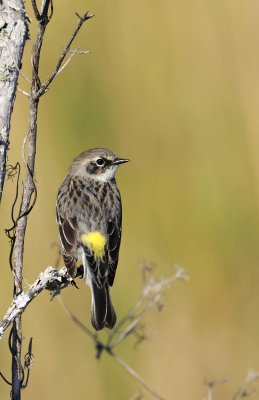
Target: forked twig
246 390
151 295
72 54
45 86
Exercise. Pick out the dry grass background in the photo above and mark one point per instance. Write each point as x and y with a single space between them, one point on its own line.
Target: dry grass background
174 86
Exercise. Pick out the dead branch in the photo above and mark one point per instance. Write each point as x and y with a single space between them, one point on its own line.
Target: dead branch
29 189
67 49
51 279
151 296
211 385
247 389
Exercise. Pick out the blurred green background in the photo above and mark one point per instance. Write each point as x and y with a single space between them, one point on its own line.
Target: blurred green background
174 86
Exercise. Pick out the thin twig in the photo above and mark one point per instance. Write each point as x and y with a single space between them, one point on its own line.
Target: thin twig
24 92
211 385
151 295
44 87
246 390
76 320
35 10
136 376
137 396
72 54
5 380
28 359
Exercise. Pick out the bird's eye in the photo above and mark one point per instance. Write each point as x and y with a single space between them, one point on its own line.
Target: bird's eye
99 162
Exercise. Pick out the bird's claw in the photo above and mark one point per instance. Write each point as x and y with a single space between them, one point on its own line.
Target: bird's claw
80 272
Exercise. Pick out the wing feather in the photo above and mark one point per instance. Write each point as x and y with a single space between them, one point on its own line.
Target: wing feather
114 240
67 227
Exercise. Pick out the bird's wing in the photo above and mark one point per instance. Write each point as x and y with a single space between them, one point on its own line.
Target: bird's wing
67 226
114 240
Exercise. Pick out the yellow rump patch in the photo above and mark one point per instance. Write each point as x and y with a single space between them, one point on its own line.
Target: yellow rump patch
95 241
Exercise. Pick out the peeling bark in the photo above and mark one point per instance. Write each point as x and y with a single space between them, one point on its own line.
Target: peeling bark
51 279
13 35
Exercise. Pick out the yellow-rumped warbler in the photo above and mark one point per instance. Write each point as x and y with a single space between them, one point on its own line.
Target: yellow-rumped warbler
89 222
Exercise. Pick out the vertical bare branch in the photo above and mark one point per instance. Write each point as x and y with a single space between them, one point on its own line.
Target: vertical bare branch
28 190
13 34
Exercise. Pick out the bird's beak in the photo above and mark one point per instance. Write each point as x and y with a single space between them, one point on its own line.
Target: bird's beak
118 161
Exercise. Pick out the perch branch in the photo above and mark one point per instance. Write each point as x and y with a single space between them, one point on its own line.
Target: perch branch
51 279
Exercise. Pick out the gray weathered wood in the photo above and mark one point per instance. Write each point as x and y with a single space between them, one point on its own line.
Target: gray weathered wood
51 279
13 34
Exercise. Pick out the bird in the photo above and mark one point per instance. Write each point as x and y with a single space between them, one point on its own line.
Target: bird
89 217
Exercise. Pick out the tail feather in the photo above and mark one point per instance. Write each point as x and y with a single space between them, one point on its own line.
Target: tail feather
102 314
111 317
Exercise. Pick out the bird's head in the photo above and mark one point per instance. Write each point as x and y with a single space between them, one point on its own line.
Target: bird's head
99 164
